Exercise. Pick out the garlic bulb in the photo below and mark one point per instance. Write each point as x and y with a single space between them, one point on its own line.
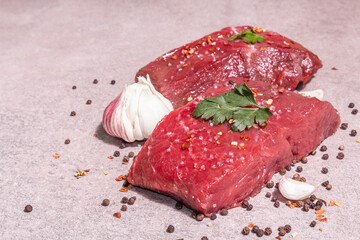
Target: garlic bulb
319 94
295 190
134 114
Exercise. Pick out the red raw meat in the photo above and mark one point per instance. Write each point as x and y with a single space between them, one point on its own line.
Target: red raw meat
209 168
189 70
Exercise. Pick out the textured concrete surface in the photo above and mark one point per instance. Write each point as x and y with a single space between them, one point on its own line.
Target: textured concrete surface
46 47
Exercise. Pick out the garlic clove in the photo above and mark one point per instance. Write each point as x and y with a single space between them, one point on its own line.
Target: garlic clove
295 190
133 115
319 94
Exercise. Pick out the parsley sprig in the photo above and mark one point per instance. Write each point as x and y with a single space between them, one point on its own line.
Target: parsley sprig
248 36
233 105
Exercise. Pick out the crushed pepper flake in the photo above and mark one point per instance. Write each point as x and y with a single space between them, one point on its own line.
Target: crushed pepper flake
217 142
56 155
174 57
323 220
318 217
338 204
81 173
117 215
121 177
110 157
331 203
106 172
251 225
262 48
95 135
278 237
241 147
293 205
245 138
184 146
123 190
358 140
320 211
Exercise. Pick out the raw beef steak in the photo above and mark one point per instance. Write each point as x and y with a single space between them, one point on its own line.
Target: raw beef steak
209 168
189 70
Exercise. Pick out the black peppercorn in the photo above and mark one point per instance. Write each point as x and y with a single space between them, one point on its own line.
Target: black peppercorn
250 207
260 233
324 170
282 232
224 212
287 228
178 205
325 156
123 208
340 155
28 208
353 133
255 229
312 198
116 154
282 171
245 231
304 160
277 204
312 224
323 148
95 81
306 207
355 111
112 82
268 231
344 126
170 229
268 195
270 184
288 167
245 204
105 202
131 201
200 217
213 216
299 169
124 200
351 105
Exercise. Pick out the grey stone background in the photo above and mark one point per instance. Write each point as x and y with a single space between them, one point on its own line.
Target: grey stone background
46 47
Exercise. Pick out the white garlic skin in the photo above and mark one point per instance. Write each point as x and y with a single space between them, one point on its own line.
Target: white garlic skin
295 190
318 93
133 115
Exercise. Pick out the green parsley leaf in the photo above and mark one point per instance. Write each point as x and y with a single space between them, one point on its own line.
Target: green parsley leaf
248 36
233 105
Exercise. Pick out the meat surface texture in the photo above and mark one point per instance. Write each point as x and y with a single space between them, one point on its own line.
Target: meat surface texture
189 70
210 168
